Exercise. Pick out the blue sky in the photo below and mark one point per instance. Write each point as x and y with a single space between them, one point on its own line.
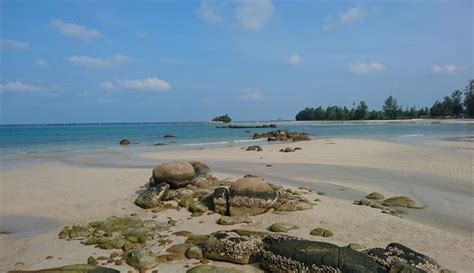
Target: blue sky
123 61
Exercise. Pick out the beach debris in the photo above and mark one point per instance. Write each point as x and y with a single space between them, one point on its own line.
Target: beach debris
213 269
282 135
75 268
282 227
251 195
115 232
124 142
375 196
321 232
142 258
402 201
254 148
152 196
231 247
234 220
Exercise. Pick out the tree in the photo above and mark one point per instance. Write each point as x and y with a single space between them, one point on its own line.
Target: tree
390 108
225 119
469 99
456 98
361 111
306 114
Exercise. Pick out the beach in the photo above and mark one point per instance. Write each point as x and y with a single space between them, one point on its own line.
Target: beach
339 170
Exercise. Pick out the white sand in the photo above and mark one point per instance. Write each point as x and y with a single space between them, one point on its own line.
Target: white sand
71 194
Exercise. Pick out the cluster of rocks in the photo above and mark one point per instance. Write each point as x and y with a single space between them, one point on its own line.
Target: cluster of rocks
191 186
282 135
290 149
388 205
282 253
248 126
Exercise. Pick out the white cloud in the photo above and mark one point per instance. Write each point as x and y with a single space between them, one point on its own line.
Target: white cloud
147 84
248 14
254 15
75 31
18 86
444 69
142 35
294 59
251 94
41 62
364 68
13 44
345 18
89 62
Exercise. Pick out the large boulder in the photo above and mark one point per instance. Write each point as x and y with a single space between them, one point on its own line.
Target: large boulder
251 195
293 255
152 196
231 247
200 168
75 268
177 174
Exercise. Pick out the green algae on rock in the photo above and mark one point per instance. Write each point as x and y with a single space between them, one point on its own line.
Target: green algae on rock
142 259
402 201
321 232
282 227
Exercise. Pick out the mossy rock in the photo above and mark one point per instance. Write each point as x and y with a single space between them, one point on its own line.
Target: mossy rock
75 268
197 239
194 252
282 227
321 232
142 259
233 220
375 196
402 201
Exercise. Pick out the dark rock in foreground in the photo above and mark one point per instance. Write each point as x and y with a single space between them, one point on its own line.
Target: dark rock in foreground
75 268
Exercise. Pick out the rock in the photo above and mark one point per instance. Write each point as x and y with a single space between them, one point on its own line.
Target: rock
234 220
231 247
287 150
254 148
355 246
404 268
298 149
377 205
321 232
169 136
212 269
251 196
200 168
92 261
142 259
177 174
219 200
75 268
396 254
194 252
402 201
186 201
282 227
375 196
124 142
198 207
293 205
152 196
293 255
160 144
282 135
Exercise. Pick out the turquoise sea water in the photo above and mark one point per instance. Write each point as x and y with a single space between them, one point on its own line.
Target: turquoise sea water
26 142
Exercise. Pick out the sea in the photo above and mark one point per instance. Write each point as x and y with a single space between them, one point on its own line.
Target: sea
99 143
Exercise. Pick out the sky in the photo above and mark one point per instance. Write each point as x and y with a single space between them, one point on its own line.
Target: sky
154 61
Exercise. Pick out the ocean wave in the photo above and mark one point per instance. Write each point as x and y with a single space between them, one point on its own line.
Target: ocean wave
206 143
412 135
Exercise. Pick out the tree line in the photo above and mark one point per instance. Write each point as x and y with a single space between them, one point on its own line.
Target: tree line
458 104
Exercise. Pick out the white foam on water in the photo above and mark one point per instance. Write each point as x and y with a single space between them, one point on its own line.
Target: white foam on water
248 140
412 135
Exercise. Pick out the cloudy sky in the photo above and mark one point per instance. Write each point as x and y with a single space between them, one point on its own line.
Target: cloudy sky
117 61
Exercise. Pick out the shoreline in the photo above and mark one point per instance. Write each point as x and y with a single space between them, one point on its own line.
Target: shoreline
344 171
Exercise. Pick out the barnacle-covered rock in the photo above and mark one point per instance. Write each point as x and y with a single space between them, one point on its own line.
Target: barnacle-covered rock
394 255
219 200
251 196
152 196
204 268
293 255
231 247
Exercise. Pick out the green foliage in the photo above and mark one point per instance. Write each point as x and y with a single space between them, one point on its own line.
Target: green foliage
469 99
361 111
225 119
391 108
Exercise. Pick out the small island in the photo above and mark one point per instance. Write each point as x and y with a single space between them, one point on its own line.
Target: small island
222 119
